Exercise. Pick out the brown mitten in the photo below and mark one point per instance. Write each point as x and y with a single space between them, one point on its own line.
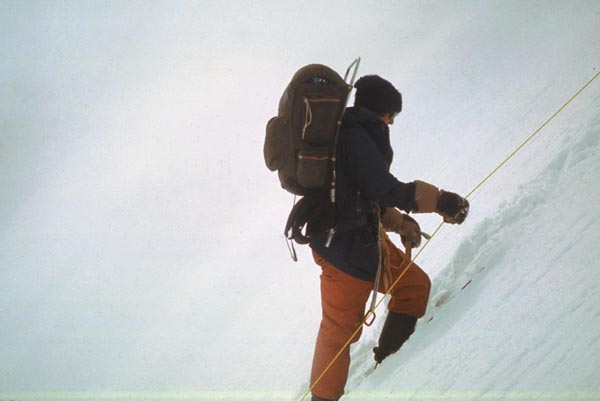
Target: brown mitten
403 224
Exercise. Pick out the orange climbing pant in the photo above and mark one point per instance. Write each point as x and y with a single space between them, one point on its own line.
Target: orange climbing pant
343 301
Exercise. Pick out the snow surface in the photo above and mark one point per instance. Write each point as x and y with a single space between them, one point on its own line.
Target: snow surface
141 246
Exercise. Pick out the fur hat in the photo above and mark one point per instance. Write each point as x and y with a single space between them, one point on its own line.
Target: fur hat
377 95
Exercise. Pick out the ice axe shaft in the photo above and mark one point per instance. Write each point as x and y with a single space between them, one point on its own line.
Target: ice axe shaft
408 249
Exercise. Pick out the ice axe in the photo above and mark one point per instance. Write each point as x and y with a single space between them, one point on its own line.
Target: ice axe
408 245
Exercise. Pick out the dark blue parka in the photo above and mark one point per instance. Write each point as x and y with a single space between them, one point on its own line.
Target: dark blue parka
364 155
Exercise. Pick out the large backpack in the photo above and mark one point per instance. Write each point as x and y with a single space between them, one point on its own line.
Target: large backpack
300 142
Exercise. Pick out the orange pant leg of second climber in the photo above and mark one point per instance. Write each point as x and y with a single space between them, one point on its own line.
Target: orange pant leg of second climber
343 300
411 293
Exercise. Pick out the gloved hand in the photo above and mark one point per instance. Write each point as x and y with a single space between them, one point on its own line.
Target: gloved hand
429 198
452 207
403 224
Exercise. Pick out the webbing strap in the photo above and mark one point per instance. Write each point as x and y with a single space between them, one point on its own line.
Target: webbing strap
307 118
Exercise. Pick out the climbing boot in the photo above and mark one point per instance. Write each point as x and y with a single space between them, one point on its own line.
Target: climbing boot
396 330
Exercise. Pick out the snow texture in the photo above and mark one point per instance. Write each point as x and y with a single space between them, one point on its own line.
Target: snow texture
141 246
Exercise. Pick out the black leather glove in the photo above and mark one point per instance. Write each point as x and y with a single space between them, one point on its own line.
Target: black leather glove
452 207
428 198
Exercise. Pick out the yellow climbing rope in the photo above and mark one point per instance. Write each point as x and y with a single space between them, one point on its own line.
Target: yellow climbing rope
486 178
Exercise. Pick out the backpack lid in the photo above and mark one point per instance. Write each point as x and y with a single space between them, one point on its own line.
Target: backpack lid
306 73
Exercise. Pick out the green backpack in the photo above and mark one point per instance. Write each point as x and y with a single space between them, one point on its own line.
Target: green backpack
300 142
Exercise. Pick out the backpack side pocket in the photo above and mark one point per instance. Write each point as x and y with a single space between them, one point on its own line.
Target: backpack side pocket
277 143
312 168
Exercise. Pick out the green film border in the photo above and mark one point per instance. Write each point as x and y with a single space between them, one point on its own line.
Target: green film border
284 396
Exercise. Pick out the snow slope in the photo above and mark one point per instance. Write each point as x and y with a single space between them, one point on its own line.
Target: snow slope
515 313
141 253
